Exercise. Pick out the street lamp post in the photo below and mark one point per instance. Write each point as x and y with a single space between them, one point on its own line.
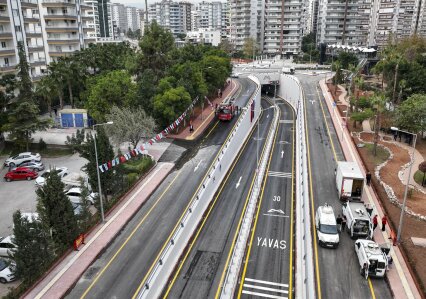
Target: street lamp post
404 202
97 169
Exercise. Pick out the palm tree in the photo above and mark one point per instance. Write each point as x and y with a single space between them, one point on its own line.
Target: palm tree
47 89
57 77
358 83
378 102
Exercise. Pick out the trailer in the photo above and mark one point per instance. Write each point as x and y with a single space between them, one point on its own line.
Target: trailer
372 258
349 181
358 221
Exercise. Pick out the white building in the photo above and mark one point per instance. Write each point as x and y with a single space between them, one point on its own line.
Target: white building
175 16
204 36
101 18
119 17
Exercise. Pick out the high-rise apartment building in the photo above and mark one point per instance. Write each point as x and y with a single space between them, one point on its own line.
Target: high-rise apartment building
101 18
175 16
132 22
47 29
211 15
246 21
119 17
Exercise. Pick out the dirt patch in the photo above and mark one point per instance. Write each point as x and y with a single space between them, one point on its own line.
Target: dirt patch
417 202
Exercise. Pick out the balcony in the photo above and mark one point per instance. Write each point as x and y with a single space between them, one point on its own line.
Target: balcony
62 41
35 48
4 2
4 17
38 62
60 53
7 52
60 16
6 68
35 18
58 3
58 29
29 3
6 35
32 33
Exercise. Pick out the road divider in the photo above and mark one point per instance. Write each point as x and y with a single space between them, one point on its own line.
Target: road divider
158 275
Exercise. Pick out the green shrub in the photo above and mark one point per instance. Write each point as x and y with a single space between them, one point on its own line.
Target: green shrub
132 178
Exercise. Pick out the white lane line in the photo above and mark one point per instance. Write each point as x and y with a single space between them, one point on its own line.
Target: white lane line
238 184
198 165
280 174
265 288
286 121
272 215
263 295
266 282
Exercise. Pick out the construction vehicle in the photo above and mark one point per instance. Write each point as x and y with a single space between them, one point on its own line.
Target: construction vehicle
372 258
349 181
225 112
358 221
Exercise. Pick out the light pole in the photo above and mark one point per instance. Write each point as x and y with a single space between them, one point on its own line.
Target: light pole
345 124
404 202
97 169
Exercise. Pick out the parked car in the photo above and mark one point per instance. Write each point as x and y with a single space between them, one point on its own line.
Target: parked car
61 171
235 75
74 195
21 158
21 173
77 208
6 246
36 166
6 270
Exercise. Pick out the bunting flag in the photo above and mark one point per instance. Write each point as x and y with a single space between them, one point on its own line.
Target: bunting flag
139 150
210 103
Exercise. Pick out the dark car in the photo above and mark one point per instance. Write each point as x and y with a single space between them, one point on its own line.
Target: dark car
21 173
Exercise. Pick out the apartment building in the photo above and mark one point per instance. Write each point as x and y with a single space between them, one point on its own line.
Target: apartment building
47 28
212 16
132 22
246 21
101 19
175 16
119 16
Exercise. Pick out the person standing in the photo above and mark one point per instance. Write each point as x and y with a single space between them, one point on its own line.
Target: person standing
375 222
339 223
368 177
384 221
343 222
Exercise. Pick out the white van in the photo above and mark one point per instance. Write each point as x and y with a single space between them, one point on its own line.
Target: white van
372 258
325 223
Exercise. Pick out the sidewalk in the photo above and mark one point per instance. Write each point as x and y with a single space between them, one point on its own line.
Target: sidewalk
400 280
65 274
203 120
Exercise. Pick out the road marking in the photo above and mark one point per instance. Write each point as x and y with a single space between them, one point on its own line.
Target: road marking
266 282
282 154
238 184
272 215
283 142
263 295
280 174
312 101
276 211
198 165
265 288
286 121
211 130
271 243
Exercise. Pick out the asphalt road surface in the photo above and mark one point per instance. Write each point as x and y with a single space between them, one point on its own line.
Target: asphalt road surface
120 270
338 274
203 263
267 270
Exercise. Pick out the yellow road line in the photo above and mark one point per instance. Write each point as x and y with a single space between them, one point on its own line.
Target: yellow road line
214 127
183 214
292 207
182 262
371 289
240 221
326 124
257 214
128 238
319 295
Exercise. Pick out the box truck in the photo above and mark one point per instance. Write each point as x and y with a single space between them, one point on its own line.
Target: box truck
349 181
358 221
372 258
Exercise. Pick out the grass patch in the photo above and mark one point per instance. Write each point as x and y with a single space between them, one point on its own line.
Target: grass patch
56 152
382 154
418 177
138 166
45 152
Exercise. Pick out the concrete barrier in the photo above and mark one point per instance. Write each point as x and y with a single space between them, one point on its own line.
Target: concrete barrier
158 276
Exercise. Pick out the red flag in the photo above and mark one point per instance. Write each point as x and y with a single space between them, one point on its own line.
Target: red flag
122 159
142 148
150 141
109 164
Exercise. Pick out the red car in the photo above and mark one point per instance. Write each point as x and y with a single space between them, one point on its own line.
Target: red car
21 173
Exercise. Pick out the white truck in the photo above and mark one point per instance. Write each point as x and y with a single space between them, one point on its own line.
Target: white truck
288 70
358 221
326 226
372 258
349 181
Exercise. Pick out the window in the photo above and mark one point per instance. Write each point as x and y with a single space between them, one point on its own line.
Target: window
18 28
6 61
3 44
1 28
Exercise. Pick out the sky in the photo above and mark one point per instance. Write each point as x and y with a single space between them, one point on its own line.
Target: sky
141 3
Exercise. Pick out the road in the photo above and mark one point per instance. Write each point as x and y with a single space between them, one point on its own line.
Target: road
119 271
268 263
204 261
337 270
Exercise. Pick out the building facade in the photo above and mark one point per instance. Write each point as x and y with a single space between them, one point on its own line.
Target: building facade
175 16
47 28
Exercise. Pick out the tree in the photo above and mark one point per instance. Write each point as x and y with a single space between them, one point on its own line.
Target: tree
422 168
378 102
308 42
47 89
346 59
23 118
361 116
226 46
216 71
338 76
76 140
411 114
250 47
170 104
34 248
56 212
84 216
104 91
130 125
190 76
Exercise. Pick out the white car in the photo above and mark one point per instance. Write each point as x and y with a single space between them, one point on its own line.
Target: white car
6 246
21 158
74 195
36 166
235 75
6 270
61 171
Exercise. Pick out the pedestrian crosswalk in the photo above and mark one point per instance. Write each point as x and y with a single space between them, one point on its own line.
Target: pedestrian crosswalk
265 289
280 174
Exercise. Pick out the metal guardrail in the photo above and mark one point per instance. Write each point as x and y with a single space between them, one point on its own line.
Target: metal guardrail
232 273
